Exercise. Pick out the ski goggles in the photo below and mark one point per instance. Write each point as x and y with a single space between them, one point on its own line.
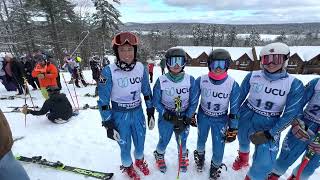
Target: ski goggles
222 64
172 61
273 58
125 37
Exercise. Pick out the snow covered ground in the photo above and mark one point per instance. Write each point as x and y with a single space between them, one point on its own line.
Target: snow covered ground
82 142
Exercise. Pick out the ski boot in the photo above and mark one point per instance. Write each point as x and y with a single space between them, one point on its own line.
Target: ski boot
142 166
215 171
199 159
184 162
131 172
292 177
273 176
160 162
241 161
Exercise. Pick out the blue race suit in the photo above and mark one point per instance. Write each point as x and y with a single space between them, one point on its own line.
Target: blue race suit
165 91
213 113
269 96
293 147
123 89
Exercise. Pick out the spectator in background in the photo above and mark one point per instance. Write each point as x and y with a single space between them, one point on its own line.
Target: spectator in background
15 72
46 73
29 64
77 73
10 168
150 67
9 85
163 65
96 70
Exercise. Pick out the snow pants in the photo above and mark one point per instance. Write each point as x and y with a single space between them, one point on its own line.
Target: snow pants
11 169
291 150
264 155
165 132
131 126
218 127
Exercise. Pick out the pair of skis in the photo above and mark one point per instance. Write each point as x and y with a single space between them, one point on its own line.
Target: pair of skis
60 166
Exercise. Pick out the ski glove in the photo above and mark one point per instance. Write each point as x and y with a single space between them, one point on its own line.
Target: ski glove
301 131
179 127
193 121
315 147
112 133
231 135
260 137
151 121
25 110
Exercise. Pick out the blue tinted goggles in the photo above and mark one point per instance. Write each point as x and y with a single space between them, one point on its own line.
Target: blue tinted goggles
172 61
222 64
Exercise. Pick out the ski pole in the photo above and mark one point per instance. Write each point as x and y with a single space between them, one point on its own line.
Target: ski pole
180 157
25 101
75 93
26 85
80 42
64 79
307 157
178 102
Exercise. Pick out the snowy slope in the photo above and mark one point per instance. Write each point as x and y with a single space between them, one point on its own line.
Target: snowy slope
83 142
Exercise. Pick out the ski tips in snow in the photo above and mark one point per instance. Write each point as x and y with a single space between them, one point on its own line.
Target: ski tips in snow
60 166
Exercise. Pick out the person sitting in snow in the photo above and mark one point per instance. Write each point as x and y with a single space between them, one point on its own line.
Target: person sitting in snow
58 106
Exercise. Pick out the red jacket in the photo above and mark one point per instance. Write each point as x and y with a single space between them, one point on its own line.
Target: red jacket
151 66
50 73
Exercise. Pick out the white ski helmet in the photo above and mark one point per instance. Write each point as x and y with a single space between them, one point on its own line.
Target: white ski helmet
276 48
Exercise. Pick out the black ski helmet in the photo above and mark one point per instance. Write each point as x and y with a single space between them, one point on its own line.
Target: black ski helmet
219 54
175 52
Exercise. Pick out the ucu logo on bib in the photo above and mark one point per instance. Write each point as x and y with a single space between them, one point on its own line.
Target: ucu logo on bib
276 92
257 88
209 92
173 91
124 82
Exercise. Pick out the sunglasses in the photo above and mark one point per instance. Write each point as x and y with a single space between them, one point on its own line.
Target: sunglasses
172 61
273 58
125 37
215 64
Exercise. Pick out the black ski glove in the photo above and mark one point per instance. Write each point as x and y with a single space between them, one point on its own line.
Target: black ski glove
179 126
169 117
151 120
260 137
231 135
112 133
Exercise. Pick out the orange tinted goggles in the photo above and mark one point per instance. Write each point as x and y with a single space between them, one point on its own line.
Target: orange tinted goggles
125 37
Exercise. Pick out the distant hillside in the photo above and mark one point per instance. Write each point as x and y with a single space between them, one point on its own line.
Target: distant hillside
186 28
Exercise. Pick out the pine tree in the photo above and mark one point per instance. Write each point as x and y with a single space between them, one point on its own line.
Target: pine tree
231 37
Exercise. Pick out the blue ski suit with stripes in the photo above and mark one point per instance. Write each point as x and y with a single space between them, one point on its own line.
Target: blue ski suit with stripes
269 103
164 93
293 146
123 90
213 113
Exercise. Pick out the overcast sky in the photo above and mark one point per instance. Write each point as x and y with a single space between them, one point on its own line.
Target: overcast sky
219 11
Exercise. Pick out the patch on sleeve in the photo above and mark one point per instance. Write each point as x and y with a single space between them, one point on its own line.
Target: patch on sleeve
102 80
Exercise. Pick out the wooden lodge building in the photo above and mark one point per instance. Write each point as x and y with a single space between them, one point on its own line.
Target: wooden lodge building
303 59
